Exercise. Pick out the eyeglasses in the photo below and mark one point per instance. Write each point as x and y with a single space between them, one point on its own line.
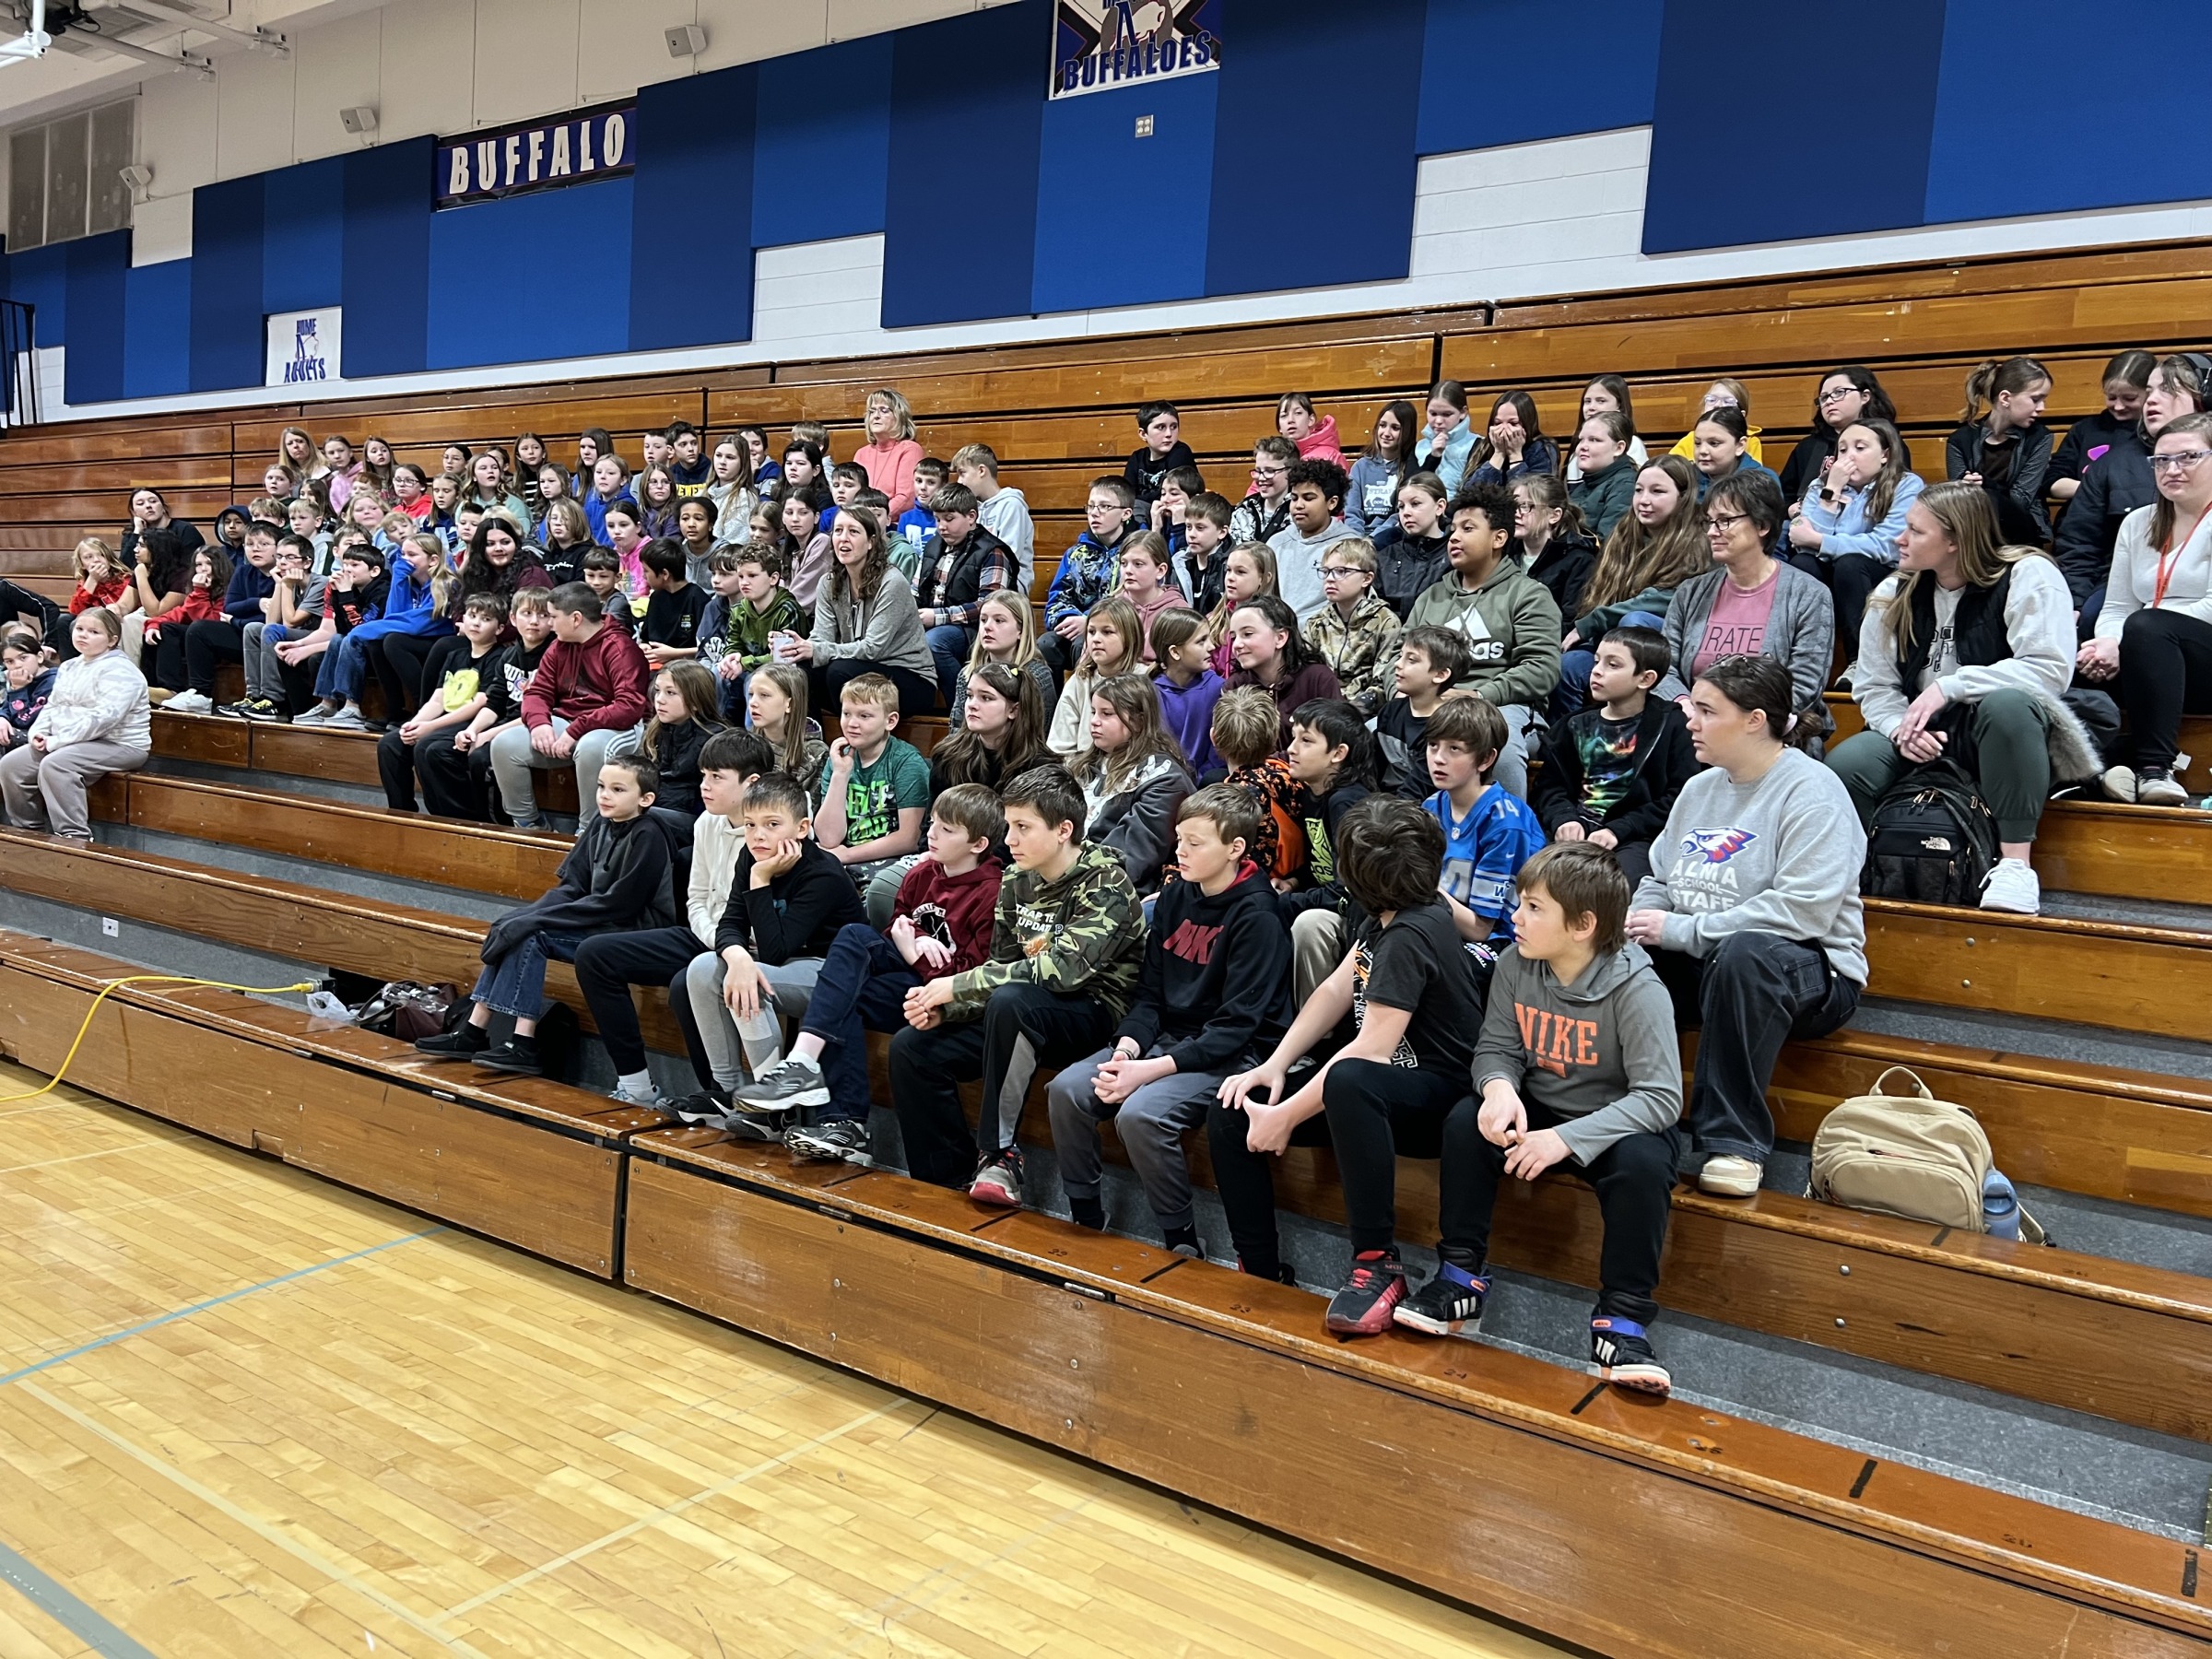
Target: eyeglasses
1329 570
2178 459
1837 393
1269 472
1725 522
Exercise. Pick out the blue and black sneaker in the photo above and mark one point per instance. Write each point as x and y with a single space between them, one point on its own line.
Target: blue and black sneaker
1450 1301
1623 1356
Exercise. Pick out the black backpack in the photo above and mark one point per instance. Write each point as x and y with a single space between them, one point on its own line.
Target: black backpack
1933 839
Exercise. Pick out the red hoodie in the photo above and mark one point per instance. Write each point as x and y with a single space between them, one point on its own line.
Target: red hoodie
600 685
957 911
1320 444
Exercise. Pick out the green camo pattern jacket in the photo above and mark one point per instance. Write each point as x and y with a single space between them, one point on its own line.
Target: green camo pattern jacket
1081 936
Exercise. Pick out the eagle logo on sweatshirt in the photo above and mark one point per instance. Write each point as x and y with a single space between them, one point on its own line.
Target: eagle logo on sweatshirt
1717 846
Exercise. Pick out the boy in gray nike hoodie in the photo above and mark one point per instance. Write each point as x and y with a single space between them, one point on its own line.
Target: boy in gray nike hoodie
1578 1066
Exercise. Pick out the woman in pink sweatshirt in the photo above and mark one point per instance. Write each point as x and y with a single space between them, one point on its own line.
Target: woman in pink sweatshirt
889 455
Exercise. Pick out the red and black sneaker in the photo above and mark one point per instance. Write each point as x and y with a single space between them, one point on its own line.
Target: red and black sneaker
1371 1295
998 1180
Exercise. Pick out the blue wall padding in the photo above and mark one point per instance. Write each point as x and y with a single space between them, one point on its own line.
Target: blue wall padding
41 279
1313 146
92 372
304 236
1509 71
961 216
690 243
1720 180
386 268
1154 248
822 143
529 276
227 348
158 337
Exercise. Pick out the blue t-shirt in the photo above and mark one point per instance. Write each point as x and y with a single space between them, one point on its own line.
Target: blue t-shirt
1484 850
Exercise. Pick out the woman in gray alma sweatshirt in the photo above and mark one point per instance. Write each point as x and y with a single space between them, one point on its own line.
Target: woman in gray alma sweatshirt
1751 914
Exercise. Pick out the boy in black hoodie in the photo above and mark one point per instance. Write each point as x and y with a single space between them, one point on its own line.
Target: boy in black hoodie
620 875
1214 992
1163 451
1611 773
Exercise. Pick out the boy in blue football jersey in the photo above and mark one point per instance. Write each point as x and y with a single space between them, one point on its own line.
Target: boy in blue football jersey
1489 834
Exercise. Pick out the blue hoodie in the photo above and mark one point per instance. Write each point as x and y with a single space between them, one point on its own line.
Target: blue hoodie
405 610
1448 460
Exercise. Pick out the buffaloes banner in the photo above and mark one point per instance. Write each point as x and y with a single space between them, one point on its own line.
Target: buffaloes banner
579 149
1100 44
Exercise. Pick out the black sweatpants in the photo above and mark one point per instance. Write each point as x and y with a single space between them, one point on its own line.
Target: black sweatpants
16 601
826 685
1850 580
1023 1027
456 784
2165 673
608 965
1634 1178
1245 1180
207 644
1377 1113
164 659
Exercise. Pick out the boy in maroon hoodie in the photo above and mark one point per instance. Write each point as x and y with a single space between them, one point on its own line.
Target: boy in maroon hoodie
589 690
941 924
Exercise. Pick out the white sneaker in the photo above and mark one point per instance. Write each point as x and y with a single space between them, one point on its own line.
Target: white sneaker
2120 783
348 719
1729 1177
319 715
2153 788
651 1097
190 702
2011 885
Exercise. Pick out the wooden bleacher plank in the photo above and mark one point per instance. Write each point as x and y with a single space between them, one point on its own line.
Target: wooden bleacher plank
98 441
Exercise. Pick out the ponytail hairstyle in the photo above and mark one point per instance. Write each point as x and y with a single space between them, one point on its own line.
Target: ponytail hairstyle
1453 392
1135 700
1667 555
702 703
2129 368
1760 684
2163 516
1879 407
1523 405
1991 380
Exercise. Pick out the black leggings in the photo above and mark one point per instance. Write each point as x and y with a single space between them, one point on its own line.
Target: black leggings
2165 672
397 661
207 644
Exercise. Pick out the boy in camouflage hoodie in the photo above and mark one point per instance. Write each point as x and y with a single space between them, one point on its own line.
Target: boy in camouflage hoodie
1067 947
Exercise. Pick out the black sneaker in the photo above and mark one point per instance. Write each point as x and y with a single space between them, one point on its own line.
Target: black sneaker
464 1042
768 1127
1284 1273
1449 1301
1624 1357
840 1140
704 1110
792 1082
1371 1295
517 1055
998 1180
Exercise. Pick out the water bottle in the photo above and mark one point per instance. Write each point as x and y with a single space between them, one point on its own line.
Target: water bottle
2000 1206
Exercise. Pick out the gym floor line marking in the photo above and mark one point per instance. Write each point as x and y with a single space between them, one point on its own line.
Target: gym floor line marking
61 1605
668 1511
251 1522
160 1320
48 1163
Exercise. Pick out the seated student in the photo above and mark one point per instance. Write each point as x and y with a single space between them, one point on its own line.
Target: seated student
1579 1068
1608 475
755 606
1965 654
590 690
2007 450
1133 778
733 494
1271 654
455 768
1316 496
1246 574
2125 381
1089 571
865 623
458 694
1213 995
1353 633
1609 394
1752 917
1197 546
1551 541
19 606
1187 687
2119 480
873 787
2154 633
164 558
352 594
1409 987
673 605
1429 662
1844 529
97 720
753 442
1735 397
1162 453
1506 616
565 540
1661 544
1845 395
688 462
1413 550
1753 604
964 562
626 539
775 706
1266 514
940 922
1000 737
617 878
1114 643
1612 773
916 528
1514 446
695 533
165 635
1372 486
219 640
609 483
686 712
1488 834
806 464
1721 447
1332 758
1311 433
845 481
1448 438
1065 957
102 581
608 964
1243 735
1170 513
415 599
1146 584
721 651
30 684
1001 508
1006 633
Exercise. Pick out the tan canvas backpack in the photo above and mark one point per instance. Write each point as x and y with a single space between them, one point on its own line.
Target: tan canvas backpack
1907 1155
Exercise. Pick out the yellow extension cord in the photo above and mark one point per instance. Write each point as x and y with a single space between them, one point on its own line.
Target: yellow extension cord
141 978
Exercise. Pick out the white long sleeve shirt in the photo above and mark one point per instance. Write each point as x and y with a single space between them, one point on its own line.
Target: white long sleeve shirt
2134 583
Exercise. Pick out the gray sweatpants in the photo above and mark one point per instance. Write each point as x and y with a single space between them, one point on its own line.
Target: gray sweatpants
512 762
47 792
1150 1122
734 1050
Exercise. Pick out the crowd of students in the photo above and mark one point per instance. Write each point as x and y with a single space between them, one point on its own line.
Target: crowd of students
1411 809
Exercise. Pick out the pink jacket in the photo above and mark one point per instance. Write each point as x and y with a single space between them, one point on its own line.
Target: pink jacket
1320 444
891 468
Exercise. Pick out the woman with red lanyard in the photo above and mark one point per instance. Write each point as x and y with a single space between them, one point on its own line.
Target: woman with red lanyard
2154 634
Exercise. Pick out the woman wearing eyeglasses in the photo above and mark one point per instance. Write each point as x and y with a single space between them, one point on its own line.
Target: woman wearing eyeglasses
1752 604
1965 656
2117 482
2154 635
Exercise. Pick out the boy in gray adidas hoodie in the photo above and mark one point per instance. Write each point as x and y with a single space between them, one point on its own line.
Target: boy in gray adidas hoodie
1578 1065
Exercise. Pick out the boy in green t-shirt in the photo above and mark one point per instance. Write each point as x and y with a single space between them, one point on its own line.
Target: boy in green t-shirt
874 787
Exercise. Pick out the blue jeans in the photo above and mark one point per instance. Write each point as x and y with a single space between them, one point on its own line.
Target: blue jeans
515 985
950 643
862 987
1572 694
339 679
